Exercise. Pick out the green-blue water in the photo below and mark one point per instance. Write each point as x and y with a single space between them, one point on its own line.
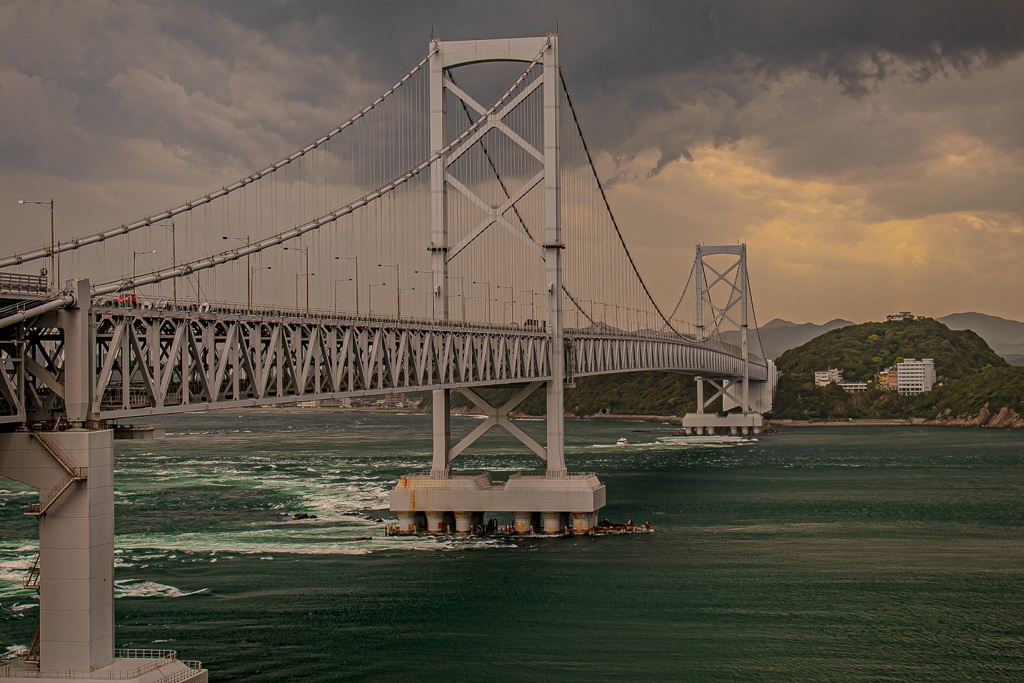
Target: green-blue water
839 554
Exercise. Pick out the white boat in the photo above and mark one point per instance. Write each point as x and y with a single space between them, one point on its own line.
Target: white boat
622 441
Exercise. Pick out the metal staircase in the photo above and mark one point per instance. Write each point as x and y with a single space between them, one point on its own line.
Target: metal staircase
74 474
32 583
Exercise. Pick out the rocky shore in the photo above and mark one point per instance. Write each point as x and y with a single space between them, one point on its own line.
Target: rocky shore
1004 418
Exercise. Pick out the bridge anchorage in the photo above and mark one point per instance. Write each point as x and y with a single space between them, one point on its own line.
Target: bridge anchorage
503 200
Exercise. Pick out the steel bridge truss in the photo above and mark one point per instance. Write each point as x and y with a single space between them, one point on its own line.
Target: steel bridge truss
147 362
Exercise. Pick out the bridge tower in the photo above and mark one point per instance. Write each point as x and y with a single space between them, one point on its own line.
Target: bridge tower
723 303
558 500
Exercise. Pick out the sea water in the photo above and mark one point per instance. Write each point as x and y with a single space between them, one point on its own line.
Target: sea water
829 554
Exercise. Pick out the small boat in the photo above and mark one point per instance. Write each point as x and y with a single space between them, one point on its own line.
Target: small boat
622 441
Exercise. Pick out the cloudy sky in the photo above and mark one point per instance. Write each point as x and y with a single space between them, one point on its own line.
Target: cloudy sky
871 154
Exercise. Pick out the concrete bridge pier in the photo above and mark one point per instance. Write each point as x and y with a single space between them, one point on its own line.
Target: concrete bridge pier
76 541
74 473
539 503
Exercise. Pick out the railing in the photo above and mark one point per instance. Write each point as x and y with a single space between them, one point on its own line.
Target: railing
40 508
60 456
23 284
160 658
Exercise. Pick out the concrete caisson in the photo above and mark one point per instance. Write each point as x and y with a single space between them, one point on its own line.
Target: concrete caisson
538 503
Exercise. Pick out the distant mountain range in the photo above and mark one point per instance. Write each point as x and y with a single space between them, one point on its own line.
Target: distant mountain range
778 336
1006 337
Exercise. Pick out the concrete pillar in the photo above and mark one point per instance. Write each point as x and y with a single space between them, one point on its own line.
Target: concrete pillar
440 466
464 522
583 521
407 522
552 521
76 545
435 522
523 522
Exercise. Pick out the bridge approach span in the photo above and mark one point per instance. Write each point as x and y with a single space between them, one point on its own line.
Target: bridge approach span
148 362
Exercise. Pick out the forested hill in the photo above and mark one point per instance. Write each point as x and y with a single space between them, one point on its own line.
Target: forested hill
860 351
972 376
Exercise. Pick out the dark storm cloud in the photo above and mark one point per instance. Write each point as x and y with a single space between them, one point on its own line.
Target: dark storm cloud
630 65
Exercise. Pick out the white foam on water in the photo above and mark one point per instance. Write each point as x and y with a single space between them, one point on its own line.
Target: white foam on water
140 588
13 572
13 652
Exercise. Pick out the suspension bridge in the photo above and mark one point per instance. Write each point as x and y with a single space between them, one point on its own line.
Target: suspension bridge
451 235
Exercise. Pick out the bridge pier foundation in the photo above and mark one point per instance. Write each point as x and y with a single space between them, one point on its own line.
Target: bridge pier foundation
76 541
734 424
74 473
538 503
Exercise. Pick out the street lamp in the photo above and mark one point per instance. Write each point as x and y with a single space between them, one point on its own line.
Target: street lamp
305 252
253 271
174 258
297 278
533 304
488 300
435 294
400 290
54 263
135 259
355 260
464 300
369 293
398 284
248 268
336 281
512 300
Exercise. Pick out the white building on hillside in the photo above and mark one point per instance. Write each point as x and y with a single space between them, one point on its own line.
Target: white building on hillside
915 376
823 378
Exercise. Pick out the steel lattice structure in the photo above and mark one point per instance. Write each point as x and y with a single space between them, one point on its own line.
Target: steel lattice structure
149 362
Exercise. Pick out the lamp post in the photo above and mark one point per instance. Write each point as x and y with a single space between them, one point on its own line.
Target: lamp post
355 260
464 300
248 269
434 293
305 252
174 259
297 278
369 294
462 292
533 304
512 301
400 290
135 259
336 281
488 299
253 271
398 285
54 262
